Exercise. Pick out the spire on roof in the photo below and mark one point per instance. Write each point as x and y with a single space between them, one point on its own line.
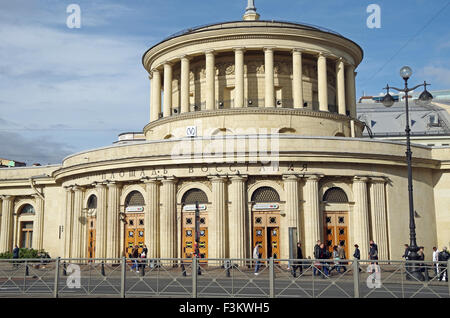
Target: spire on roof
250 11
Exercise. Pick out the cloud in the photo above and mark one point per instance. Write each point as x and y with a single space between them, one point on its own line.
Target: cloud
36 150
437 75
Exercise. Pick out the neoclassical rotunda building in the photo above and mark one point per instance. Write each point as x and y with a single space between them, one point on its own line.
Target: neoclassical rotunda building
256 121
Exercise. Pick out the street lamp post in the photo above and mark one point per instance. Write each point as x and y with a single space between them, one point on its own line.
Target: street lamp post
388 101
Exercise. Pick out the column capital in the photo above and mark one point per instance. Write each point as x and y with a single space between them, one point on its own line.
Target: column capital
378 179
113 184
154 70
269 48
78 188
99 185
312 177
360 179
210 52
239 49
68 188
290 177
168 63
149 180
218 178
172 179
186 57
297 51
238 177
6 197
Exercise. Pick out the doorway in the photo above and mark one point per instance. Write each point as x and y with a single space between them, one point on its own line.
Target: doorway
134 232
266 232
188 237
91 223
336 230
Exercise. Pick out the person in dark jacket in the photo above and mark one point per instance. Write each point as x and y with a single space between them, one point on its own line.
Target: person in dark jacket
357 254
316 255
422 266
324 254
405 255
444 256
298 265
373 251
16 251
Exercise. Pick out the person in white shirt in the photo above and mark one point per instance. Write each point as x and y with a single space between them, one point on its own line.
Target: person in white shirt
256 256
435 260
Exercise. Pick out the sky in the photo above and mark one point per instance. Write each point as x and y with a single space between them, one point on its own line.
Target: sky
64 90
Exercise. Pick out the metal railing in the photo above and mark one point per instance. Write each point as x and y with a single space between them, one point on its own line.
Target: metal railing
230 278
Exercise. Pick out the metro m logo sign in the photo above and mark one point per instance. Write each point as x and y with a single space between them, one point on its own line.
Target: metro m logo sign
191 131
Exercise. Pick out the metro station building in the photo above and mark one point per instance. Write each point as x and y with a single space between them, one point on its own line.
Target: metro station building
256 121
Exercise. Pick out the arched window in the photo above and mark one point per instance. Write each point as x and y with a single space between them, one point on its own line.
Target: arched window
194 195
265 194
134 198
92 202
335 195
27 209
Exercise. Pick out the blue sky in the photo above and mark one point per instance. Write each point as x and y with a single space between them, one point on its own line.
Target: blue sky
65 90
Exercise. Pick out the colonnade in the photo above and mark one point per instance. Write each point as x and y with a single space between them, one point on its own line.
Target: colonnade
345 83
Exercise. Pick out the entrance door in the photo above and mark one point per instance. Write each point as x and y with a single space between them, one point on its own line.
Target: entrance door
91 237
266 231
336 230
134 232
188 237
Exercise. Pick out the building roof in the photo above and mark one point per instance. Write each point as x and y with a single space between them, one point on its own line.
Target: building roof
429 120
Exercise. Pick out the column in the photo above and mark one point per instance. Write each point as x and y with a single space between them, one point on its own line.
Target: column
151 219
113 218
102 219
6 235
379 219
184 91
210 80
77 238
68 223
297 82
38 225
311 215
322 82
340 86
167 108
360 226
239 77
237 225
350 90
269 78
218 219
292 211
156 95
168 216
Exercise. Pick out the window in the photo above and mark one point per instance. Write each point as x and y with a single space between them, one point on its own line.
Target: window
26 235
335 195
27 209
135 198
194 195
265 194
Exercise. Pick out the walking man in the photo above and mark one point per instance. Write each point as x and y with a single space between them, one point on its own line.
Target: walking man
316 256
373 252
298 264
435 260
342 256
357 254
256 255
444 256
15 255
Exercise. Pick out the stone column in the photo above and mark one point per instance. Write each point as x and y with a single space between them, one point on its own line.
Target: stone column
350 90
360 224
210 80
38 225
151 219
156 95
101 229
239 77
218 219
322 82
379 220
168 216
311 215
292 211
167 109
113 218
237 216
297 81
77 234
340 86
6 235
68 223
269 78
184 90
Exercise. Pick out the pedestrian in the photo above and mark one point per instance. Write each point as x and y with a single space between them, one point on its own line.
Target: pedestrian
143 260
298 265
16 251
444 256
257 256
435 260
422 266
373 251
405 255
135 255
335 256
357 254
342 256
316 263
324 254
145 250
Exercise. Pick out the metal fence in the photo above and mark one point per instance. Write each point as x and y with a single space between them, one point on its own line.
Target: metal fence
123 277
